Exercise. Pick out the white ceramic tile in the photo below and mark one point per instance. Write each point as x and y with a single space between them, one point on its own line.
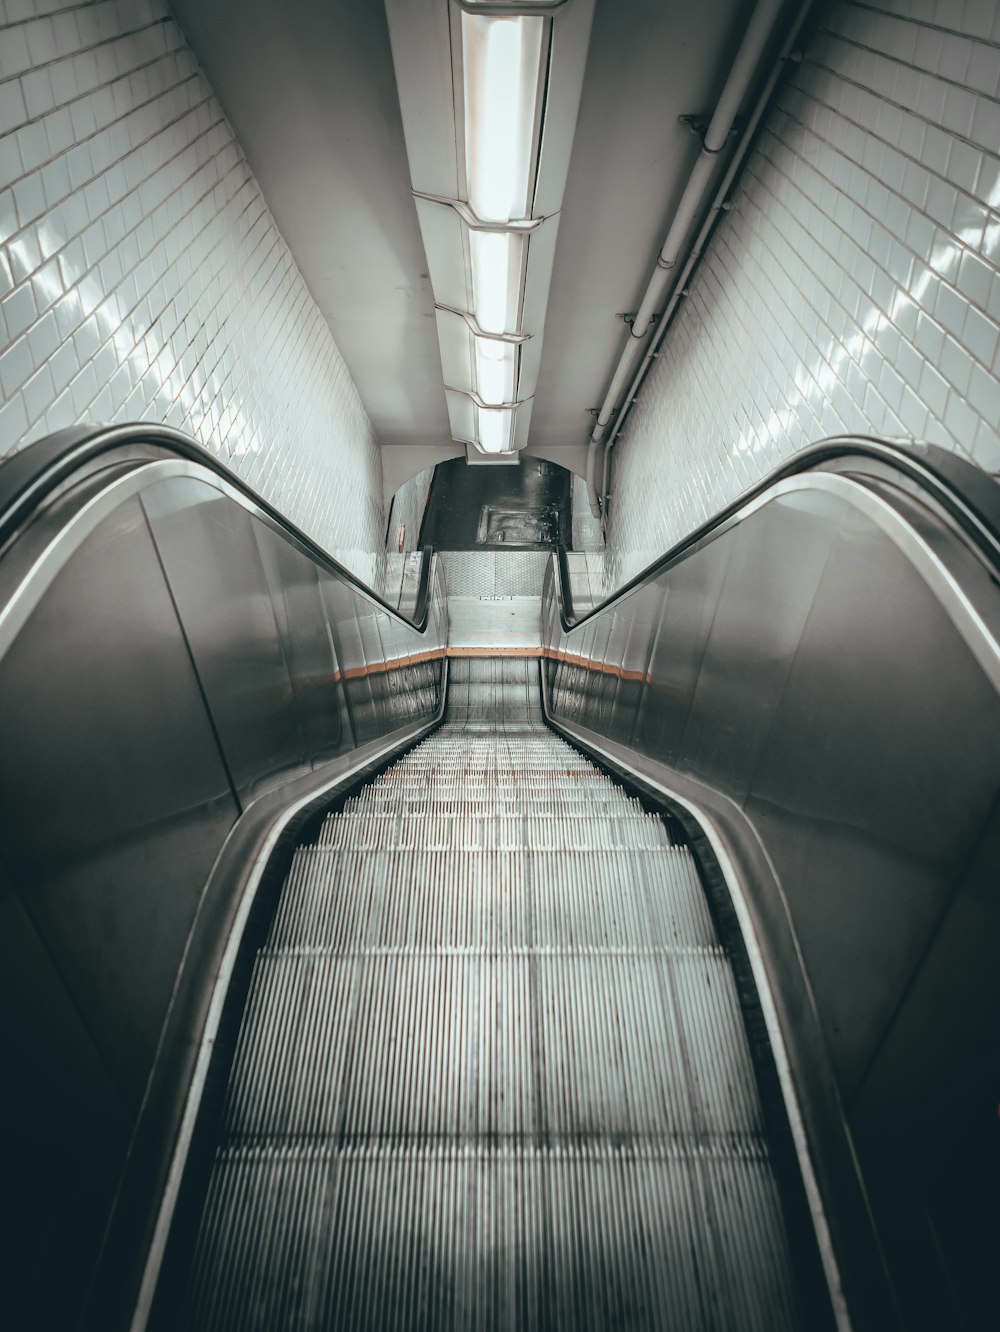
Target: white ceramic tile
14 55
408 505
141 274
985 128
586 528
983 74
980 335
854 286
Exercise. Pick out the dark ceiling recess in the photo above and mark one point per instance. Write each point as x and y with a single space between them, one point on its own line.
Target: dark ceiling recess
514 508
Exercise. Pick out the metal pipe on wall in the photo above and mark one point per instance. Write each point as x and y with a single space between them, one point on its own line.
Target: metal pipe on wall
720 203
716 135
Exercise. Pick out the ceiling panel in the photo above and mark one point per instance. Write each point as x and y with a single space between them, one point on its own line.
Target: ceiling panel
308 86
649 63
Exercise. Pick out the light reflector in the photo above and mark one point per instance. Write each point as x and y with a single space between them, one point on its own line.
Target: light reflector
495 362
501 62
496 279
489 91
495 429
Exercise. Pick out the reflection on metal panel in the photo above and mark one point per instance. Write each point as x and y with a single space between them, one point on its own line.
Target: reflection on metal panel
802 666
213 564
342 620
175 652
823 673
113 793
294 584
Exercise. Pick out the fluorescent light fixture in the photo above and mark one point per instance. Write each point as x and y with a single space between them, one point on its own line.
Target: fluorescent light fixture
495 430
495 362
502 63
496 279
489 91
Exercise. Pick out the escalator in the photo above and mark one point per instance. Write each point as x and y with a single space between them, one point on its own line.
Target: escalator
492 1040
641 978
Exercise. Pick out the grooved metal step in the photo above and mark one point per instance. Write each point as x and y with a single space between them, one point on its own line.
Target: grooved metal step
497 692
492 1071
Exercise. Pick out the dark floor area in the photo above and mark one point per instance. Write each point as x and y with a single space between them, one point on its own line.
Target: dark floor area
526 507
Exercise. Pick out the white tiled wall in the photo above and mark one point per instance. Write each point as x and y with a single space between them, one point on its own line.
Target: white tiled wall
142 277
855 285
587 533
408 505
406 511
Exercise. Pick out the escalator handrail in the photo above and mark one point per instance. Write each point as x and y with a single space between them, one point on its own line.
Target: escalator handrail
31 475
969 494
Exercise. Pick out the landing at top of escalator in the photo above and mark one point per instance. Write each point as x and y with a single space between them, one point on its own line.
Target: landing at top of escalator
523 507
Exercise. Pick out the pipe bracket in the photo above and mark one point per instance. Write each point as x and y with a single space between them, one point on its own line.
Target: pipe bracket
629 319
699 125
696 124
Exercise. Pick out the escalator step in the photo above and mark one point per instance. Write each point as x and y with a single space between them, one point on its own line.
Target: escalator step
491 901
492 1072
576 1236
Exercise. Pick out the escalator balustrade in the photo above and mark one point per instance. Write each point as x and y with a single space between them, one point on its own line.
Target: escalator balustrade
639 973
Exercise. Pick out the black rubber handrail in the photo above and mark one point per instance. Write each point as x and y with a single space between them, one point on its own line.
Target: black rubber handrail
33 474
970 495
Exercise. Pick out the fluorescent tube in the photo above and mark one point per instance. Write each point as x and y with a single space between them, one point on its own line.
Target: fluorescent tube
495 370
496 279
502 60
494 430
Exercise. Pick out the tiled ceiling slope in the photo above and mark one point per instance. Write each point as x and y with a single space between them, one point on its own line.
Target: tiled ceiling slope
311 93
854 287
142 276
